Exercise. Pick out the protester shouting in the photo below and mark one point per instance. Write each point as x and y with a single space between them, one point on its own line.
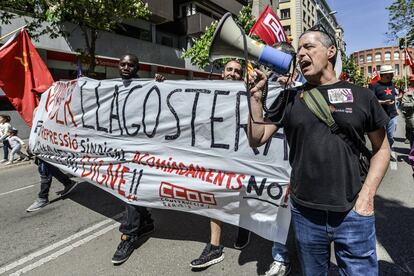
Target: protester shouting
330 201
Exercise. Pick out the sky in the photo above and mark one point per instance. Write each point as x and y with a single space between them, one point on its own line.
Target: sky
365 23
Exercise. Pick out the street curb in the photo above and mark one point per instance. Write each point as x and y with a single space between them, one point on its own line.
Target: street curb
14 165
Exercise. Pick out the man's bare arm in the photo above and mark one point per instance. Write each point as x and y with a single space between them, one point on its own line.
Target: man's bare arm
379 164
258 134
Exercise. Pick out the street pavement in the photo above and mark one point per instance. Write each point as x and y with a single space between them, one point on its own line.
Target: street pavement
78 235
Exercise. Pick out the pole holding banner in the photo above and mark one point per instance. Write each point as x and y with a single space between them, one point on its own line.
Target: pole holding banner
12 32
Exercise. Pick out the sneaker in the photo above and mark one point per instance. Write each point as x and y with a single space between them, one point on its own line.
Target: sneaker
26 158
8 163
124 249
19 159
278 269
127 244
243 239
210 255
37 205
392 158
406 141
68 188
3 160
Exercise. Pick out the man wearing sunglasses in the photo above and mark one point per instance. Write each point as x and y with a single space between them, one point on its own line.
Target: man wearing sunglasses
330 200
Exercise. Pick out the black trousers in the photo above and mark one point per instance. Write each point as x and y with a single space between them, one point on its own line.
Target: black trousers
134 218
47 172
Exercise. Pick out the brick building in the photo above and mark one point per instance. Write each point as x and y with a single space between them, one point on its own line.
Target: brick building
374 58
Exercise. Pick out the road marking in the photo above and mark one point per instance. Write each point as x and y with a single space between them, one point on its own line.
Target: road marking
16 190
65 250
56 245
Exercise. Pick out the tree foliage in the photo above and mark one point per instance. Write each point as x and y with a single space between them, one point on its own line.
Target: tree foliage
352 71
401 20
198 53
92 16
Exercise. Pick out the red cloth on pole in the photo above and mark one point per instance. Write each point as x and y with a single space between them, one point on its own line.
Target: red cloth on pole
375 76
269 28
21 70
408 59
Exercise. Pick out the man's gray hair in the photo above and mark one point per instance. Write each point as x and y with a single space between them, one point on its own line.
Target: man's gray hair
326 40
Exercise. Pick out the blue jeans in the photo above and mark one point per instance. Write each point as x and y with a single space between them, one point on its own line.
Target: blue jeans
6 147
391 127
280 253
353 236
47 172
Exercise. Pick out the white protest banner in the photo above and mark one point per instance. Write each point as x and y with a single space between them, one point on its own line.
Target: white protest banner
177 145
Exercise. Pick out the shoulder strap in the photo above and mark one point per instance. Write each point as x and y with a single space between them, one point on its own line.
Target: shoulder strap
318 105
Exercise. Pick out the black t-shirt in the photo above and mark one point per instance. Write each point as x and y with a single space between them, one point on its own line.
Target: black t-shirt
386 91
325 172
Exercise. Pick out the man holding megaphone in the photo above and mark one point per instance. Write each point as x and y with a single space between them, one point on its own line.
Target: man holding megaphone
332 199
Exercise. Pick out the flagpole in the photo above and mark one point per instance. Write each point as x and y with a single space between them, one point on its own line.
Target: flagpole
405 67
12 32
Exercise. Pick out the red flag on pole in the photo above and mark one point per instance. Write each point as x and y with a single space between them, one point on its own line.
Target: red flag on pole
375 76
21 70
269 28
408 59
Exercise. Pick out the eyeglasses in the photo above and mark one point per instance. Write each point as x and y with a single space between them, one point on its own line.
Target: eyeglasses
320 28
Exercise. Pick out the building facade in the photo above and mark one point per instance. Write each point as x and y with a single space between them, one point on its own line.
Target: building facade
374 58
298 16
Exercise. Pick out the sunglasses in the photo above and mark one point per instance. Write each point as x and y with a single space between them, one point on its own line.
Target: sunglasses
320 28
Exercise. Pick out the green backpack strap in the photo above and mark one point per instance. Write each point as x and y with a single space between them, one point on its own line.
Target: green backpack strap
318 105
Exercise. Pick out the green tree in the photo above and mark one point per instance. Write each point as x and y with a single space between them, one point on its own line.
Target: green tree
352 71
92 16
401 19
198 53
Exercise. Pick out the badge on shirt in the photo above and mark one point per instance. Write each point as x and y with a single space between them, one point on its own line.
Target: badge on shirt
340 95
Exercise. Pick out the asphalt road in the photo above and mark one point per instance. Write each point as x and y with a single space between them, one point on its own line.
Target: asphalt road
78 235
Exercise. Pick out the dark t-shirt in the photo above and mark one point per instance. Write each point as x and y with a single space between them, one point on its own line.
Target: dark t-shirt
386 91
325 172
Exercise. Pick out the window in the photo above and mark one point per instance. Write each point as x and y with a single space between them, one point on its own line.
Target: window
285 14
377 56
396 55
283 1
387 56
304 3
287 29
361 59
304 16
397 69
369 70
369 58
378 67
135 32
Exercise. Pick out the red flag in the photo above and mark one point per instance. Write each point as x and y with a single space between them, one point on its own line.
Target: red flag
408 59
375 76
269 28
21 70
